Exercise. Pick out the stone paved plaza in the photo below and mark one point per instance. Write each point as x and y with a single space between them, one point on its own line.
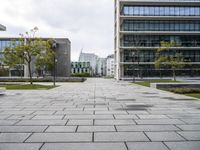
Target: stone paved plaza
100 114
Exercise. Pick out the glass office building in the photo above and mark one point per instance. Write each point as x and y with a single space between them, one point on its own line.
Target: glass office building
141 25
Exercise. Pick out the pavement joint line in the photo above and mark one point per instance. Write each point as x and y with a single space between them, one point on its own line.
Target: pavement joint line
76 128
66 122
46 129
41 146
28 137
166 145
181 135
178 127
147 136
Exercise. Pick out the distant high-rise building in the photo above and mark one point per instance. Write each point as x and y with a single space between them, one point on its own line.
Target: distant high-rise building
81 67
2 28
110 66
92 58
101 66
141 25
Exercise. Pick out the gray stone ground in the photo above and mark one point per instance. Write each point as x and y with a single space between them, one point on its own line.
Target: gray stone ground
99 114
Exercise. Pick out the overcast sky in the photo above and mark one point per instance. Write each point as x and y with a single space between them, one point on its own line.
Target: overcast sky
87 23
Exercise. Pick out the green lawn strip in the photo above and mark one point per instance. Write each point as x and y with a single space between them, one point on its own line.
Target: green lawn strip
26 87
147 83
195 95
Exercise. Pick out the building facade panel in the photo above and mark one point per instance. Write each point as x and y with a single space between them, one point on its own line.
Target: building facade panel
141 25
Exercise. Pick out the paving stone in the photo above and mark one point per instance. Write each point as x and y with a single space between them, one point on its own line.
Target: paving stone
191 121
21 117
186 116
22 129
4 116
160 121
126 117
13 137
80 122
111 112
189 135
17 112
74 112
60 137
84 146
152 116
96 128
192 145
119 136
138 112
146 146
89 117
147 128
42 122
114 122
49 117
8 122
164 136
44 112
189 127
61 129
19 146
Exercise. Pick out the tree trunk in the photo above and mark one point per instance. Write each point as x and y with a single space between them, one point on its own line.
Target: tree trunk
174 74
30 73
160 73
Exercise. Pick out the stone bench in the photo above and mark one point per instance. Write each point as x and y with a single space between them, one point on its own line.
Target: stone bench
174 85
2 91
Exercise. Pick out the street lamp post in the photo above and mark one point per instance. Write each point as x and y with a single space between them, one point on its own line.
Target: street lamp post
54 46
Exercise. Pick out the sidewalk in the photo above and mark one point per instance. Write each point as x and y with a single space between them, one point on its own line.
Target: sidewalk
99 114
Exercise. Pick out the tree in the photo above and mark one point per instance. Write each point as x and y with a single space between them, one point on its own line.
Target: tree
27 48
45 60
167 58
13 60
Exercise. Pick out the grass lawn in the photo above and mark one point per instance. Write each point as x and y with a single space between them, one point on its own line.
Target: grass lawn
147 83
195 95
26 87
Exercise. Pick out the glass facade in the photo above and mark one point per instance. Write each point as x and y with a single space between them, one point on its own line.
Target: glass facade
161 25
161 11
149 55
3 44
166 29
154 40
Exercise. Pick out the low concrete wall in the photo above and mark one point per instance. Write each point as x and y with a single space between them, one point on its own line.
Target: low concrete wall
175 85
2 91
46 79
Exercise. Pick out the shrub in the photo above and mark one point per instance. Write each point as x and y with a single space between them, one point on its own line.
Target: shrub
184 90
81 75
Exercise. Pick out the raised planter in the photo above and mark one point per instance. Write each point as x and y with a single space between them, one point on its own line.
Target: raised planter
174 85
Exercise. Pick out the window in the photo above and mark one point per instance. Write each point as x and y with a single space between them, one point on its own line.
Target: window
126 10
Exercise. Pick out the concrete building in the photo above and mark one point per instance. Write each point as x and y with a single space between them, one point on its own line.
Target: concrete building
81 67
140 26
110 66
63 57
92 58
2 28
101 67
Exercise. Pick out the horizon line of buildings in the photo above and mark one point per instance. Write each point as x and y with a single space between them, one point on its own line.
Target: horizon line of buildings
96 66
